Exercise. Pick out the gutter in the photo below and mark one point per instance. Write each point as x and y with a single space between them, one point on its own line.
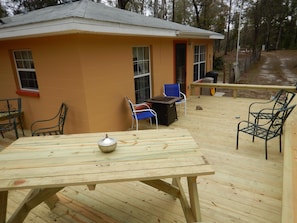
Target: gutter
209 35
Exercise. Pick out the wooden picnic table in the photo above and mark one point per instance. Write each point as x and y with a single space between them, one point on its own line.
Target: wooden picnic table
46 164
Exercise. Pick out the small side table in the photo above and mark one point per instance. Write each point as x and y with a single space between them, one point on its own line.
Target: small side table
165 108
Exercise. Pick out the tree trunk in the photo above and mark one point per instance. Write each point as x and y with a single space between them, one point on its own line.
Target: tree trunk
173 10
122 4
197 13
228 28
279 36
156 8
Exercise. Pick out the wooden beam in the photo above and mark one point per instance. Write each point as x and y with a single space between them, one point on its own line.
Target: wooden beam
236 87
34 198
163 186
184 202
3 205
194 198
91 186
51 202
289 196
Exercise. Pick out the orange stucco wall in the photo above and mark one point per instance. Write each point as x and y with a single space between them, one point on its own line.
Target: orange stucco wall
90 73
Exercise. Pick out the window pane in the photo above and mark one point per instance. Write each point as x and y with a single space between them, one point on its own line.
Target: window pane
146 67
196 73
17 54
146 53
142 88
29 55
20 64
24 54
28 64
196 49
141 67
32 64
140 53
195 58
28 80
202 70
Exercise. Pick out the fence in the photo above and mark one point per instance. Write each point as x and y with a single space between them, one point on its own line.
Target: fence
231 75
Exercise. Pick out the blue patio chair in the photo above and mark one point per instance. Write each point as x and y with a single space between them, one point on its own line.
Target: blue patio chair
173 90
145 112
271 129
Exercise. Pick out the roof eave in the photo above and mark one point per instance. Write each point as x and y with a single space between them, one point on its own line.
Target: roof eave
81 25
196 35
78 25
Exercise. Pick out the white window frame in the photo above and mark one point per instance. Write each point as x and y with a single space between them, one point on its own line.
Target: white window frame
25 63
142 69
199 60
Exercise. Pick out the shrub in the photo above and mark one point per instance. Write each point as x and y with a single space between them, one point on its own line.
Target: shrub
218 63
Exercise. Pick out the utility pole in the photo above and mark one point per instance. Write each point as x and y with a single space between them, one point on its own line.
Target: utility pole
237 71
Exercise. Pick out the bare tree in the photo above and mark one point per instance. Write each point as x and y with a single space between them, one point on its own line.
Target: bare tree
228 28
122 4
3 12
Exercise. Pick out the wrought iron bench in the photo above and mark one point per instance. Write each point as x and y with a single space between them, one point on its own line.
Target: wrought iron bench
52 126
10 115
266 110
271 129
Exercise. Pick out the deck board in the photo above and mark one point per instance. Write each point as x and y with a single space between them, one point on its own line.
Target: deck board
246 188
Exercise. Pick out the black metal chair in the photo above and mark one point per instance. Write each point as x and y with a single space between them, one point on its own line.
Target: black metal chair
269 130
10 114
266 110
52 126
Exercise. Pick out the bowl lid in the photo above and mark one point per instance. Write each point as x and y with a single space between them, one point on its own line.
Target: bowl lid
107 141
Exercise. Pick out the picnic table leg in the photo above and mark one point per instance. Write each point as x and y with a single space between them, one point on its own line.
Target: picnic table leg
184 201
194 198
3 205
34 198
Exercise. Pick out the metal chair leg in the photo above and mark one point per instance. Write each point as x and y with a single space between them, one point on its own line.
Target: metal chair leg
280 143
237 136
266 156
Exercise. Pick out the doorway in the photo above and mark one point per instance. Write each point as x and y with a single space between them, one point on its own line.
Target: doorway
180 65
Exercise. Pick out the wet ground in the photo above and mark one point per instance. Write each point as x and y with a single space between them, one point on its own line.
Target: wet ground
274 68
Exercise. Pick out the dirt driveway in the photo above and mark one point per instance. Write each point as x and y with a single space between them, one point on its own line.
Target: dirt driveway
274 68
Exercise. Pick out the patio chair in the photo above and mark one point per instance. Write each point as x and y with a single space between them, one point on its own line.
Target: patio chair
266 110
10 113
269 130
52 126
144 112
173 90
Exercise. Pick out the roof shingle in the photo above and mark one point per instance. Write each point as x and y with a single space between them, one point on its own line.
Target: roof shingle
99 15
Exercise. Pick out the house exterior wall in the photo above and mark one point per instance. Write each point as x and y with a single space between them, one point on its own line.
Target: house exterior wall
90 73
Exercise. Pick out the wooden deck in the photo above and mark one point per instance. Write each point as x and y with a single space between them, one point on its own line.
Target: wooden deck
246 188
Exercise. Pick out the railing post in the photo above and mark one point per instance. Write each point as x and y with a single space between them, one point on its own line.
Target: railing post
234 93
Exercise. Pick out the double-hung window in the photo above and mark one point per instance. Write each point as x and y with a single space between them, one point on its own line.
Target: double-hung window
199 62
142 73
25 70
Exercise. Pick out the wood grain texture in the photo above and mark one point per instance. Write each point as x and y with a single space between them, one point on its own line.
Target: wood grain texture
244 189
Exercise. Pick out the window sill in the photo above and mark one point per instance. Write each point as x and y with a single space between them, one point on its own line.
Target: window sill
28 93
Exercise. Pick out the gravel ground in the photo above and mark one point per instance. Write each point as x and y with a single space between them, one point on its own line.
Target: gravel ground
274 68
